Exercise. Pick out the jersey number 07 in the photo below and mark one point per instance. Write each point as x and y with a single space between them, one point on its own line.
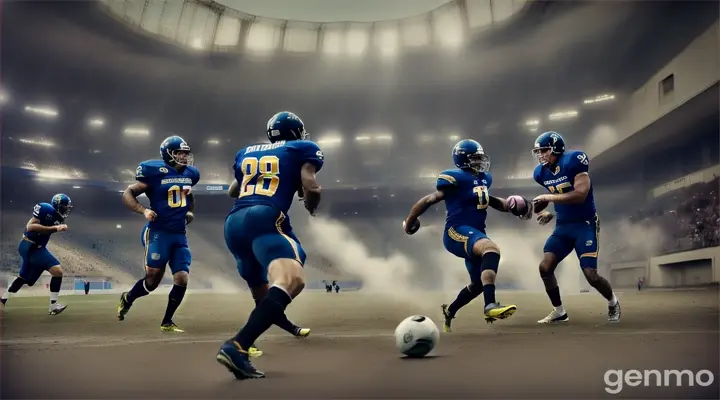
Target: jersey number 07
267 168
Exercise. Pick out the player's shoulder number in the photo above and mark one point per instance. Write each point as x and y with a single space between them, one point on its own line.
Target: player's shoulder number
583 158
267 171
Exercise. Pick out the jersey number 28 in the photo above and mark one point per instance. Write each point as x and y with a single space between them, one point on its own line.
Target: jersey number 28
483 197
267 168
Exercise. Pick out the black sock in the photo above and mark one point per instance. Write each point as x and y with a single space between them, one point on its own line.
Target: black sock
283 322
263 316
137 291
16 285
174 299
466 295
55 285
554 295
489 293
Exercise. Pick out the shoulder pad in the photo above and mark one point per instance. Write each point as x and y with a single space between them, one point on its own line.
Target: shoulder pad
150 169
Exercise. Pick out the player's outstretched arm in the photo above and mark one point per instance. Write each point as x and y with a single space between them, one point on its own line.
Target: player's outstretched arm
499 204
234 189
34 226
421 206
311 188
130 197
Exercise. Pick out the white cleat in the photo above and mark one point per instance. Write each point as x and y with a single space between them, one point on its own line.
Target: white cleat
554 318
56 309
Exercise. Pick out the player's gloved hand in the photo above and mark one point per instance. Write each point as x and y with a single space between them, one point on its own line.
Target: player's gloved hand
544 217
189 217
528 212
61 228
540 203
150 215
412 227
308 206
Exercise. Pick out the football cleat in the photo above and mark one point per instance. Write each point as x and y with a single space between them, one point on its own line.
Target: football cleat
448 318
237 361
123 307
554 317
302 333
171 327
56 309
495 311
614 312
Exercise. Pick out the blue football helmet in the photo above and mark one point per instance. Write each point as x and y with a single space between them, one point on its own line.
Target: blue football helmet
546 144
174 150
285 126
468 154
62 204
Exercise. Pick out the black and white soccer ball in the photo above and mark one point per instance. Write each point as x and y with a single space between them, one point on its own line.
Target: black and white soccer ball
416 336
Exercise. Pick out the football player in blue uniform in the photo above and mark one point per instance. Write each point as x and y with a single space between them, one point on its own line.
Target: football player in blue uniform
258 231
564 173
167 184
465 191
47 219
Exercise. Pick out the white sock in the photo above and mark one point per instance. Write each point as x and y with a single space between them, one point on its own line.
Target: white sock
560 310
54 296
612 302
5 295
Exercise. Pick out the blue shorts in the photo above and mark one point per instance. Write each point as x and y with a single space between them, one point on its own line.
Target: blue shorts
583 237
459 240
163 248
35 260
258 235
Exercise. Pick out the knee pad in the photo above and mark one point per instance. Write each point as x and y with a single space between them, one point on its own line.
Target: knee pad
490 261
17 284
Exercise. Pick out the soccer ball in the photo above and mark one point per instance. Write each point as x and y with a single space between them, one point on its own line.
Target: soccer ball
416 336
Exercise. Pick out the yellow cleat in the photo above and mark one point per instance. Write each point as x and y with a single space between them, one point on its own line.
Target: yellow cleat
254 352
302 333
171 327
495 311
447 323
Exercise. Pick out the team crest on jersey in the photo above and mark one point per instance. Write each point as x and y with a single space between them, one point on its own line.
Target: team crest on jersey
557 170
163 170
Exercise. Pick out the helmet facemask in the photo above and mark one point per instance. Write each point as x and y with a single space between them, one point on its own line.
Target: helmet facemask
542 155
479 162
181 157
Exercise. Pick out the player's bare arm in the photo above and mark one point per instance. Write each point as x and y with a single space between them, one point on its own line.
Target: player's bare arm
190 216
34 226
421 206
130 199
311 188
234 189
577 196
499 204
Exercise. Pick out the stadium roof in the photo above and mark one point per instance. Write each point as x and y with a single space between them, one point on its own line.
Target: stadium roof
334 10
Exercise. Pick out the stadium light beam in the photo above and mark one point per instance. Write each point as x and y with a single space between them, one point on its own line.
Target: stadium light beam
599 99
563 115
532 122
38 142
213 142
47 112
96 122
137 131
329 140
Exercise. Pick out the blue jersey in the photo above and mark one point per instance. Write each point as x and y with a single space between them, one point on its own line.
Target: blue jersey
46 214
167 192
560 178
269 174
466 197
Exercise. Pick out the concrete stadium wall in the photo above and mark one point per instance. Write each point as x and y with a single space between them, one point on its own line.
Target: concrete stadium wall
693 70
688 268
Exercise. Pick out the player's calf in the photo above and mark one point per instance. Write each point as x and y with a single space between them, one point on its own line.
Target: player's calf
142 287
17 284
603 287
55 284
177 293
466 295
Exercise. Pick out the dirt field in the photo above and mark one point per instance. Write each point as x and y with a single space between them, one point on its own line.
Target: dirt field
86 353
